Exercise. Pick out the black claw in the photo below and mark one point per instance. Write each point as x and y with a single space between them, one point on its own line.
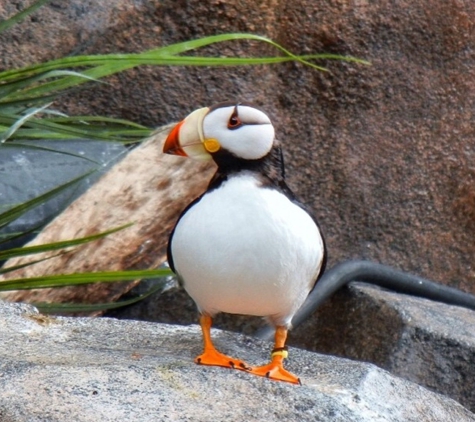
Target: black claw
198 361
267 374
231 364
300 382
243 366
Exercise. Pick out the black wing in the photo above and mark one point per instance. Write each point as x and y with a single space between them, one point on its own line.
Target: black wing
170 238
277 163
215 182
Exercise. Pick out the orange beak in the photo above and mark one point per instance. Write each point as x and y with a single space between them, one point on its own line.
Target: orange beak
172 143
187 139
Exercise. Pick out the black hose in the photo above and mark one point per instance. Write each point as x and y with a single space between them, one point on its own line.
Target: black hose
380 275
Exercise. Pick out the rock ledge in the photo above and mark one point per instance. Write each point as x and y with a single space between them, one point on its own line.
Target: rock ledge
85 369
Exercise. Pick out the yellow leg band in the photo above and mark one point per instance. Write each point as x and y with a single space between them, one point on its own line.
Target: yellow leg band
283 353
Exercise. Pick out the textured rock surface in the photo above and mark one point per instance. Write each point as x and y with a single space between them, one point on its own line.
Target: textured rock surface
57 369
430 343
427 342
384 154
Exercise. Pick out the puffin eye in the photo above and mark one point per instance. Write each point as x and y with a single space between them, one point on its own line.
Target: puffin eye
234 121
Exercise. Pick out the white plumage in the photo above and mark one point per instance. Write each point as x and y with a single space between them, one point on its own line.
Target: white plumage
247 249
253 140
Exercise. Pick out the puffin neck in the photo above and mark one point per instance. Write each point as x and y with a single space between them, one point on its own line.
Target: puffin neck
269 169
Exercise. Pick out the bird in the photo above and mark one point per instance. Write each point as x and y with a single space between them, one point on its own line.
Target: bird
246 245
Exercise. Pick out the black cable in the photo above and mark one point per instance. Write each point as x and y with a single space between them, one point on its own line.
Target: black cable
380 275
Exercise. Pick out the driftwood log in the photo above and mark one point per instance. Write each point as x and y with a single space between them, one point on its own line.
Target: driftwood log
147 188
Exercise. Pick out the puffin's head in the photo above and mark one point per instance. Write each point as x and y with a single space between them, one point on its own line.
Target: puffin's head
224 130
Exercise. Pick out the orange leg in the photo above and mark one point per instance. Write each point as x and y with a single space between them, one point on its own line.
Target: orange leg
210 355
275 369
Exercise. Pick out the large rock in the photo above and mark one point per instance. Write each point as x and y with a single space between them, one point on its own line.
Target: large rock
427 342
85 369
383 153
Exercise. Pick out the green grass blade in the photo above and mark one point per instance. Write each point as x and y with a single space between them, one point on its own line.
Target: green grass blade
12 106
16 145
25 84
29 250
47 129
8 23
161 53
13 213
78 307
105 65
123 136
9 237
167 55
19 122
99 120
64 280
114 64
4 270
118 64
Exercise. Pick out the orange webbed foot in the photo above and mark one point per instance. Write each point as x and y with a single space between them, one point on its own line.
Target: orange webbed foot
214 358
211 356
276 371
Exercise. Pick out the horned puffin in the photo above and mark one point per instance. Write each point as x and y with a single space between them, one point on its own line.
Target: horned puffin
246 245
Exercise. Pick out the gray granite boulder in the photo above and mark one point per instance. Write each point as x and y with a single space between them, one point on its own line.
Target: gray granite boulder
85 369
427 342
424 341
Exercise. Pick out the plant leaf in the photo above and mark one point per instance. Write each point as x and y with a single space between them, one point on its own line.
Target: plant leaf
18 123
47 128
26 84
63 280
78 307
4 270
8 23
99 120
46 247
45 149
13 213
167 55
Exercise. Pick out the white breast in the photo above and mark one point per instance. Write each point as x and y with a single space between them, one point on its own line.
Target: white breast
246 249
